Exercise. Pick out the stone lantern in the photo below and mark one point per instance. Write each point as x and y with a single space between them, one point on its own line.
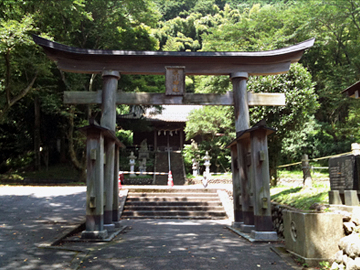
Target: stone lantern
132 164
207 163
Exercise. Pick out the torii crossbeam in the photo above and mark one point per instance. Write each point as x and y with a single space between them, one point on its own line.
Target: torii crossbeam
176 65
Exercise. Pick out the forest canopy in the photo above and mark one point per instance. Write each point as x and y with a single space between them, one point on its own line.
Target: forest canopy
317 120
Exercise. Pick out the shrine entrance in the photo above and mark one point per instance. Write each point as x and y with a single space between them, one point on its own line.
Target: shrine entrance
250 166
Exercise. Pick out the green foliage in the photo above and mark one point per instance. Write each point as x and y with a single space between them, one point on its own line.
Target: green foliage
24 67
214 128
142 83
181 34
301 100
209 121
317 119
257 28
183 8
213 84
20 62
59 171
125 136
252 29
301 141
190 152
325 265
301 104
334 63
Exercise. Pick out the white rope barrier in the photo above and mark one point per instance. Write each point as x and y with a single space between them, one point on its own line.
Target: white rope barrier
163 173
314 159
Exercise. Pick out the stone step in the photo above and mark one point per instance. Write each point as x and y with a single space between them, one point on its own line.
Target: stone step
172 195
167 190
172 208
173 199
130 203
174 217
160 213
177 203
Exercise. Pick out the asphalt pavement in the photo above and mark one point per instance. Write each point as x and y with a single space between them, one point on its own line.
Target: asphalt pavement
33 218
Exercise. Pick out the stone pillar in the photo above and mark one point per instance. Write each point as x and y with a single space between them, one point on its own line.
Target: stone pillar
108 120
238 214
115 208
108 106
242 118
351 198
334 197
95 191
242 123
307 180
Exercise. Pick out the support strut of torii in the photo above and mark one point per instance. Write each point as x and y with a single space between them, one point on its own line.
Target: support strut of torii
250 169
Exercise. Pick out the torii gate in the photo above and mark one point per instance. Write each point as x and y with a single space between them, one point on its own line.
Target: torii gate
101 210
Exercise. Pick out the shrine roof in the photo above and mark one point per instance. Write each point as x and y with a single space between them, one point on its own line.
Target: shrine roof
351 90
80 60
172 113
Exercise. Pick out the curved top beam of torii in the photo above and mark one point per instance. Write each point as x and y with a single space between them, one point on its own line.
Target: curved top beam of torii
78 60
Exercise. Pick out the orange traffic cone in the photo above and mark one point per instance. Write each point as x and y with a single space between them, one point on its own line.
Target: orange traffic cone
170 180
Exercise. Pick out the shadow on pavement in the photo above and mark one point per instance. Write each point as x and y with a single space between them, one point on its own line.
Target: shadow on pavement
34 215
31 216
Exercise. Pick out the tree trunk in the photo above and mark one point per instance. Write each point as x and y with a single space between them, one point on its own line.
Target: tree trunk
78 165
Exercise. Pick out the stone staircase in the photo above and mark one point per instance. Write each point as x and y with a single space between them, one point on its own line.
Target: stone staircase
173 204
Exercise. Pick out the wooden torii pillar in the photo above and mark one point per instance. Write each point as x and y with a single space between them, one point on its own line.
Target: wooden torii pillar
108 120
176 65
252 208
242 190
97 139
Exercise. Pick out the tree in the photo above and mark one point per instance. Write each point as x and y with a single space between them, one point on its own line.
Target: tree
183 8
80 23
258 27
214 128
334 63
20 62
301 104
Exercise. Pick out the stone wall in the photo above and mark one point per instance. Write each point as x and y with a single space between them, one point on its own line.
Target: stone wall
348 257
277 218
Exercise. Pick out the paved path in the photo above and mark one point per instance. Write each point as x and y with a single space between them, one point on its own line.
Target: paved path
34 215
